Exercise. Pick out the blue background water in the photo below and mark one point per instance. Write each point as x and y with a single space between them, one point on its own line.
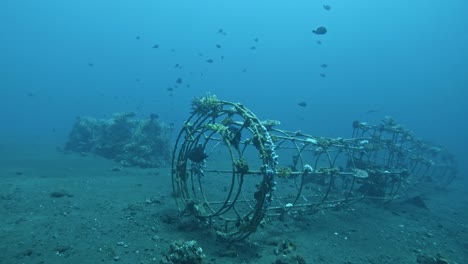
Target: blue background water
406 59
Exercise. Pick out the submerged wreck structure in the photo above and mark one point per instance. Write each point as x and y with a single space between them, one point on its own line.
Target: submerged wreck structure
230 170
129 141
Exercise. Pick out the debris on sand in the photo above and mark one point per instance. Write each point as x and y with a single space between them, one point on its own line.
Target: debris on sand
60 194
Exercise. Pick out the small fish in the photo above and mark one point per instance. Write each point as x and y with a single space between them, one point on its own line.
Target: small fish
320 31
319 42
138 80
154 116
372 111
222 32
179 80
177 65
327 7
170 89
155 46
253 48
255 39
137 37
244 70
90 64
218 46
302 104
324 65
222 57
209 60
323 75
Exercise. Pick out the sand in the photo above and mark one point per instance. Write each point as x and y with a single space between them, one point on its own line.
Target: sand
69 208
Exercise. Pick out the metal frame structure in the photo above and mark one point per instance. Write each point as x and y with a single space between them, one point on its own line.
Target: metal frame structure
231 170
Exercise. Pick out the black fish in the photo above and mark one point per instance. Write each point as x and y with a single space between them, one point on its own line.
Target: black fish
153 116
323 75
319 42
209 60
222 32
327 7
302 104
179 80
256 39
155 46
324 65
320 31
253 48
170 89
218 46
197 154
90 64
137 37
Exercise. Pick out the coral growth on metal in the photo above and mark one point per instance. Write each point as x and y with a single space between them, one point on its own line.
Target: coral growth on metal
231 170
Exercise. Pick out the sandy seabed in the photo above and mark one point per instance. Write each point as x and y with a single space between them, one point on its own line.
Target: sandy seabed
68 208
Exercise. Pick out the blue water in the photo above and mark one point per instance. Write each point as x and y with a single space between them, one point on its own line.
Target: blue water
407 59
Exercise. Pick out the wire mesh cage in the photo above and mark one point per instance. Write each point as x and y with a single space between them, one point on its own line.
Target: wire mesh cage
231 170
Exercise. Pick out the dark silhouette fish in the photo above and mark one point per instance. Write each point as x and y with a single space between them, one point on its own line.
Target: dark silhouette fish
153 116
218 46
179 80
197 154
320 31
327 7
372 111
323 75
324 65
209 60
155 46
302 104
222 32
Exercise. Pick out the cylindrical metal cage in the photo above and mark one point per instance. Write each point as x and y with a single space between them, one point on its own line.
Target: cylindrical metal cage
230 169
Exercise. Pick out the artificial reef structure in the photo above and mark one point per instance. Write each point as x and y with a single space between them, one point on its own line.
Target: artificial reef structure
231 170
123 138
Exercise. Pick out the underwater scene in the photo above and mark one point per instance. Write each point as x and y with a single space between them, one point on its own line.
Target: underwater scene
247 131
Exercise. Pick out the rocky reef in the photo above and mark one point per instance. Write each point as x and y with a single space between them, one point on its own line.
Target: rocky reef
123 138
187 252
